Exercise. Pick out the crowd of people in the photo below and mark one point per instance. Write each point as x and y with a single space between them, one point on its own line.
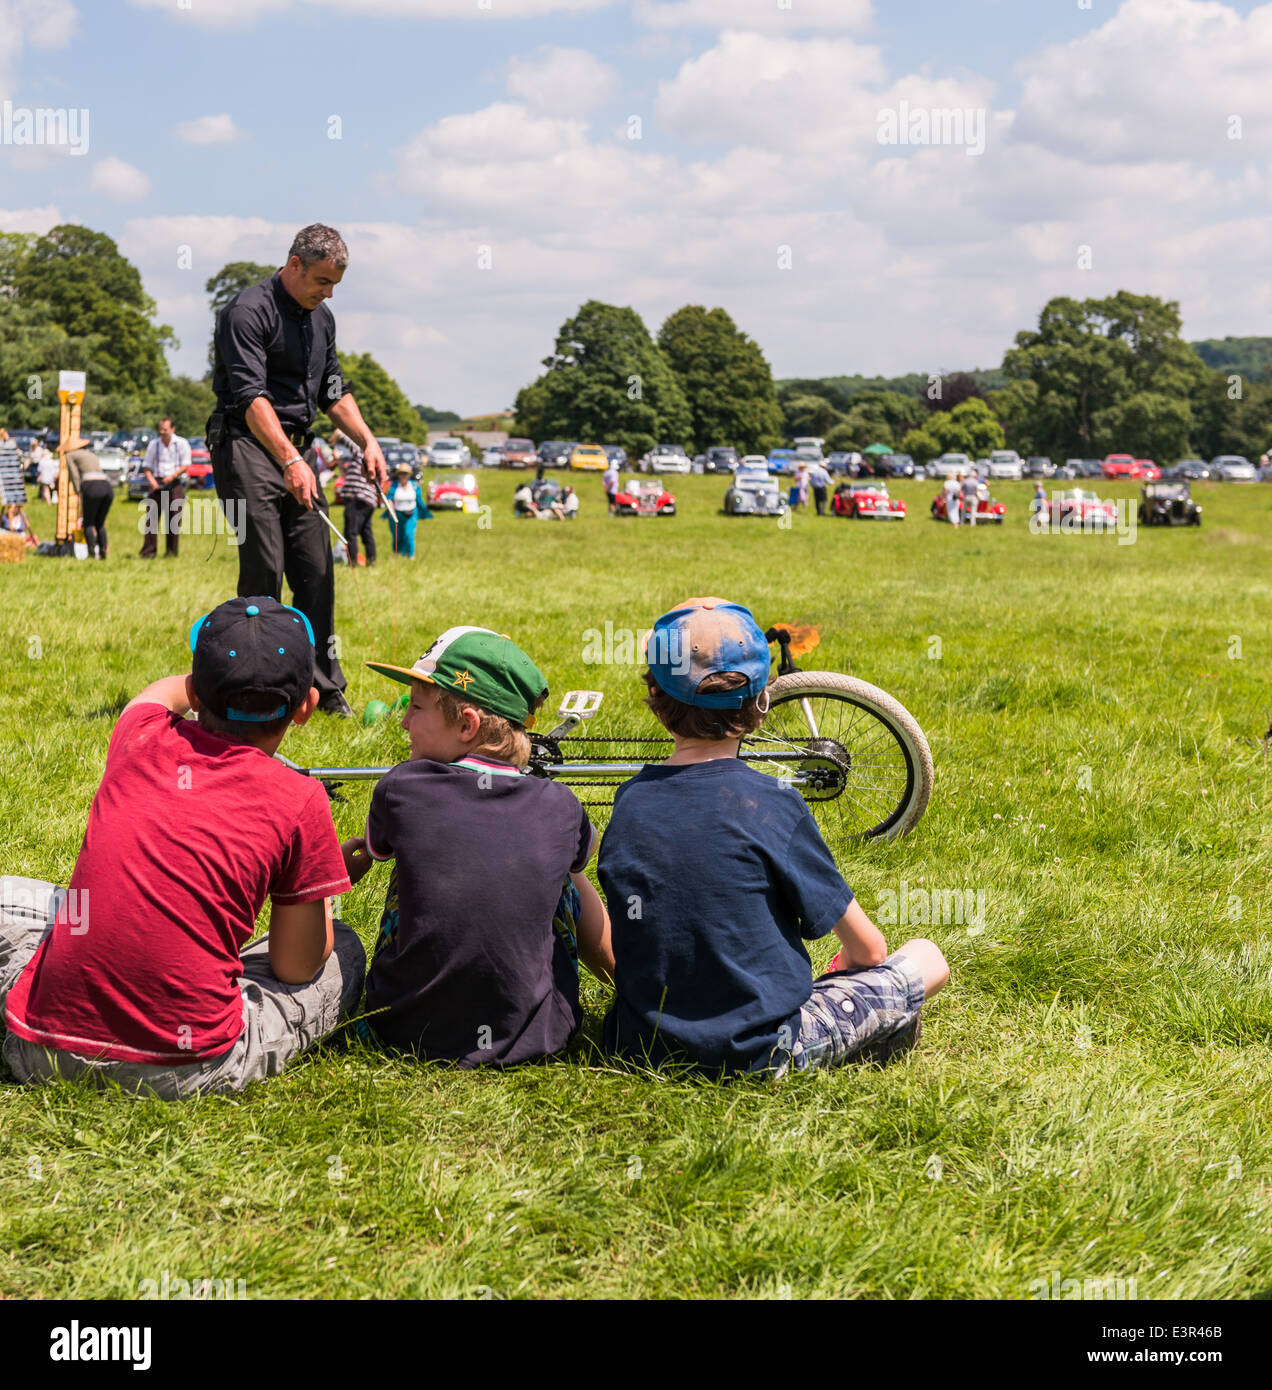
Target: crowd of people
706 862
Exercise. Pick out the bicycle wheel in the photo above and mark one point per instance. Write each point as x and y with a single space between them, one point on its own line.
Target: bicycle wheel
867 770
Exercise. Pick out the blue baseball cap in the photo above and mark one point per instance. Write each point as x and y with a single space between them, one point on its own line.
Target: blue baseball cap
704 637
252 645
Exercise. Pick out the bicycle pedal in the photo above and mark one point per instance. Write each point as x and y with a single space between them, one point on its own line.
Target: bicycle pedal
581 703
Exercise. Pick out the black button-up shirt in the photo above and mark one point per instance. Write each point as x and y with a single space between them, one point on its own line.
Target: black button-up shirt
267 345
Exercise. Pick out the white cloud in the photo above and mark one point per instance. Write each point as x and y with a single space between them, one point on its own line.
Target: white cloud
1160 80
240 14
768 15
37 220
43 24
554 79
119 180
209 130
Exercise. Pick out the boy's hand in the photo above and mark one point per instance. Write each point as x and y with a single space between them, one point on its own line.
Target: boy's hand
357 860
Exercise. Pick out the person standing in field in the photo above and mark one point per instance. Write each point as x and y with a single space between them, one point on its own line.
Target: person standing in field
165 465
276 368
358 493
96 493
953 491
819 481
971 496
609 480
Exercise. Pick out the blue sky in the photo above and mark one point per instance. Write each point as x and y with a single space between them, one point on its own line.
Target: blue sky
509 137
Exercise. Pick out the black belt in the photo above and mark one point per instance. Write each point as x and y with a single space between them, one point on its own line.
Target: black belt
302 439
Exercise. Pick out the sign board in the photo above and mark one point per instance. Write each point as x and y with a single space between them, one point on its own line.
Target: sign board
12 488
69 382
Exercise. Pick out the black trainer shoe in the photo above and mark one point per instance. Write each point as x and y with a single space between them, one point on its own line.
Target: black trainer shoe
336 704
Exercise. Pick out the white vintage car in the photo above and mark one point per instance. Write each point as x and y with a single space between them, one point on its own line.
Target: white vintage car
754 492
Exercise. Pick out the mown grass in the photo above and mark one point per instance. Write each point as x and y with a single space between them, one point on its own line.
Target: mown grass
1091 1093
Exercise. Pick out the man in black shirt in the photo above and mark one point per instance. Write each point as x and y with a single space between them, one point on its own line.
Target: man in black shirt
275 368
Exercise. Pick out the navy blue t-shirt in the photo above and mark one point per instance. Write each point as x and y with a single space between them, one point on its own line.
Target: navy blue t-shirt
714 875
469 966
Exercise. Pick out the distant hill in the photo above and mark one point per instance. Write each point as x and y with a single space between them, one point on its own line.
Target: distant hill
1248 357
839 390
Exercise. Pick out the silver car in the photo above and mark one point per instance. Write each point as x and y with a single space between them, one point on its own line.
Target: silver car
450 453
1232 468
949 466
754 492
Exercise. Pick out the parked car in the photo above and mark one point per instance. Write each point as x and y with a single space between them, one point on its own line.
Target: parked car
138 487
453 492
868 502
554 453
1067 469
1090 468
988 509
897 465
519 453
1119 466
1039 466
841 460
1147 470
754 492
1080 509
720 458
616 454
1168 504
114 463
1232 468
589 457
781 461
446 453
492 456
199 474
949 466
666 458
648 498
1003 465
1191 470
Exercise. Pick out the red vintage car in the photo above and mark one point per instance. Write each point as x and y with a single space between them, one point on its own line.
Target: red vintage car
868 501
453 492
199 474
1077 510
988 509
639 498
1119 466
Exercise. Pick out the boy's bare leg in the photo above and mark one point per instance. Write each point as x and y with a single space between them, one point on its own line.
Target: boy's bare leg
931 963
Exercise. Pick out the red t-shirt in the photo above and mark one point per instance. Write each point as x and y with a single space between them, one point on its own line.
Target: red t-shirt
187 836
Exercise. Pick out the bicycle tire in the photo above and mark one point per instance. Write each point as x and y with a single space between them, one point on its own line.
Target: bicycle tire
849 800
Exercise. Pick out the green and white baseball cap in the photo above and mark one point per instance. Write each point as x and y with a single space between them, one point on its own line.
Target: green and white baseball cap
485 667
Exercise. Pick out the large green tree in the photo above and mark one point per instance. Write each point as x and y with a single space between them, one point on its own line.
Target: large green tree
606 382
725 378
94 292
969 429
1112 375
381 400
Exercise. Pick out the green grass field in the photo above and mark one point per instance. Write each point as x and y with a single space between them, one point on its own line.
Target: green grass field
1090 1097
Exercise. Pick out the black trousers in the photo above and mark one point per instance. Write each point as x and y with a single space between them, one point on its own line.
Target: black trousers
164 507
280 539
95 500
358 515
819 496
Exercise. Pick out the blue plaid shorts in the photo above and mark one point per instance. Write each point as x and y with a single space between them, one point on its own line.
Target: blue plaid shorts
852 1012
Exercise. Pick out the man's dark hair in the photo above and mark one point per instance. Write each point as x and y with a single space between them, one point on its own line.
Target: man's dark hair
692 721
244 730
318 242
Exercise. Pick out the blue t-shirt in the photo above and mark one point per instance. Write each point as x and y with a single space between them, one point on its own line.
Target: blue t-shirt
714 875
471 965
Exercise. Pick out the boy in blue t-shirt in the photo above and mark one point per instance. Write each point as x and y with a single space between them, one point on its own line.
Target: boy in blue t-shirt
488 909
715 874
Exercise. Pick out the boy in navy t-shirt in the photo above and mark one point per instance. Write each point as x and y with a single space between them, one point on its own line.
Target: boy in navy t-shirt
716 874
488 909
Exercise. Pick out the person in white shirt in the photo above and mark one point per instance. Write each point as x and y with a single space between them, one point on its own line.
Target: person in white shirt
570 504
609 481
953 491
971 497
166 463
46 471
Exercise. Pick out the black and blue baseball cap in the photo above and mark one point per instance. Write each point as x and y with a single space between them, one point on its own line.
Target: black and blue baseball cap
703 637
254 646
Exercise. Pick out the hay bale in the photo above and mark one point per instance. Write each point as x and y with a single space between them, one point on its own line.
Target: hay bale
12 547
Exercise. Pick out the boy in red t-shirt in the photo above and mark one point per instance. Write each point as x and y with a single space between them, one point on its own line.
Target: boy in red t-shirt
133 974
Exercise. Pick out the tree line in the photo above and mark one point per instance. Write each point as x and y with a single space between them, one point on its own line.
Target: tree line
1095 376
